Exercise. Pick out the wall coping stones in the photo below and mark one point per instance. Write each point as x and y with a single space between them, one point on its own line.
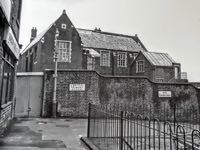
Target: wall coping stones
30 74
132 77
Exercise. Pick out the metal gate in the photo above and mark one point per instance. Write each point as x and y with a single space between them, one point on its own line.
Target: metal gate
29 94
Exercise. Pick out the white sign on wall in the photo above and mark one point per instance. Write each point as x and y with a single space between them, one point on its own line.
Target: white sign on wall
164 94
77 87
12 42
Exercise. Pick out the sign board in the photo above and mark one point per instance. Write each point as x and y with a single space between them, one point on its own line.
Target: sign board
77 87
12 42
164 94
6 6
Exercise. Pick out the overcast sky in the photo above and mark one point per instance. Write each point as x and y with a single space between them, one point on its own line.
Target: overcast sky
168 26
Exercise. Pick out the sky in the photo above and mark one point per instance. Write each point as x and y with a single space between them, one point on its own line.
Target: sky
167 26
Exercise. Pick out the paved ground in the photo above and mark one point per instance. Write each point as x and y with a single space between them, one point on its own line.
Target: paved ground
45 134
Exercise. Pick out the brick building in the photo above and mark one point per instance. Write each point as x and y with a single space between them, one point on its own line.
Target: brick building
107 53
158 67
39 54
10 13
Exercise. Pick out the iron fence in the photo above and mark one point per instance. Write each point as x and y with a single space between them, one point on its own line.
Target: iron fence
114 128
6 115
185 115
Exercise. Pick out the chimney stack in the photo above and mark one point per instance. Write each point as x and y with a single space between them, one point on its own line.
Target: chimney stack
97 29
33 33
64 11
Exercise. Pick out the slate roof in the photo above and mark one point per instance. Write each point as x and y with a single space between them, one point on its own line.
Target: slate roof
37 39
113 41
92 52
159 59
101 40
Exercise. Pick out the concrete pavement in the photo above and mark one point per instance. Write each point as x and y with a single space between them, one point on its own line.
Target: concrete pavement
45 134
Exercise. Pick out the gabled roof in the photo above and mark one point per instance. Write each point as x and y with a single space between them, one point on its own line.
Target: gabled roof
101 40
37 39
41 35
159 59
92 52
113 41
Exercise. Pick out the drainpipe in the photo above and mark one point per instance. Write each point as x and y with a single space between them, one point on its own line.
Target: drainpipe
113 62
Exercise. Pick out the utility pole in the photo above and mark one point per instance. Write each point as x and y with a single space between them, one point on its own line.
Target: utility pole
54 109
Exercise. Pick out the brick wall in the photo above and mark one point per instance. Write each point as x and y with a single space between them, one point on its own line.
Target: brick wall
100 89
15 17
148 69
165 73
154 73
113 69
45 49
71 103
182 94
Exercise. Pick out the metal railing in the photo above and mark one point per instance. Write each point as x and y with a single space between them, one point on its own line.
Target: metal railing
111 128
187 116
6 115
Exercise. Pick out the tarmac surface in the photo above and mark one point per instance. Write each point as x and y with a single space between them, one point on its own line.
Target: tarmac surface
45 134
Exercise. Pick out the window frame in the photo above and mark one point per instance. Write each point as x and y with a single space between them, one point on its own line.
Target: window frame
104 60
35 54
7 82
64 26
64 56
122 59
90 63
176 72
140 69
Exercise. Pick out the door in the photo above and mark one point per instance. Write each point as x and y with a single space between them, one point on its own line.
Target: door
28 95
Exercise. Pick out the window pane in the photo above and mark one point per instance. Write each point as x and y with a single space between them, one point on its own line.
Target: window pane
5 83
140 66
105 58
121 59
64 51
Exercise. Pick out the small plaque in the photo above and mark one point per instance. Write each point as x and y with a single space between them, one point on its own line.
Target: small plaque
164 94
77 87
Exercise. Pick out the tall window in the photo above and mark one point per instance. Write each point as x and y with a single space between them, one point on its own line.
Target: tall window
139 66
105 58
26 63
7 78
176 74
90 63
121 59
35 54
64 51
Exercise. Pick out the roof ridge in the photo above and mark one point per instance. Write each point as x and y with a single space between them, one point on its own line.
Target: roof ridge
156 52
39 36
164 59
109 33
